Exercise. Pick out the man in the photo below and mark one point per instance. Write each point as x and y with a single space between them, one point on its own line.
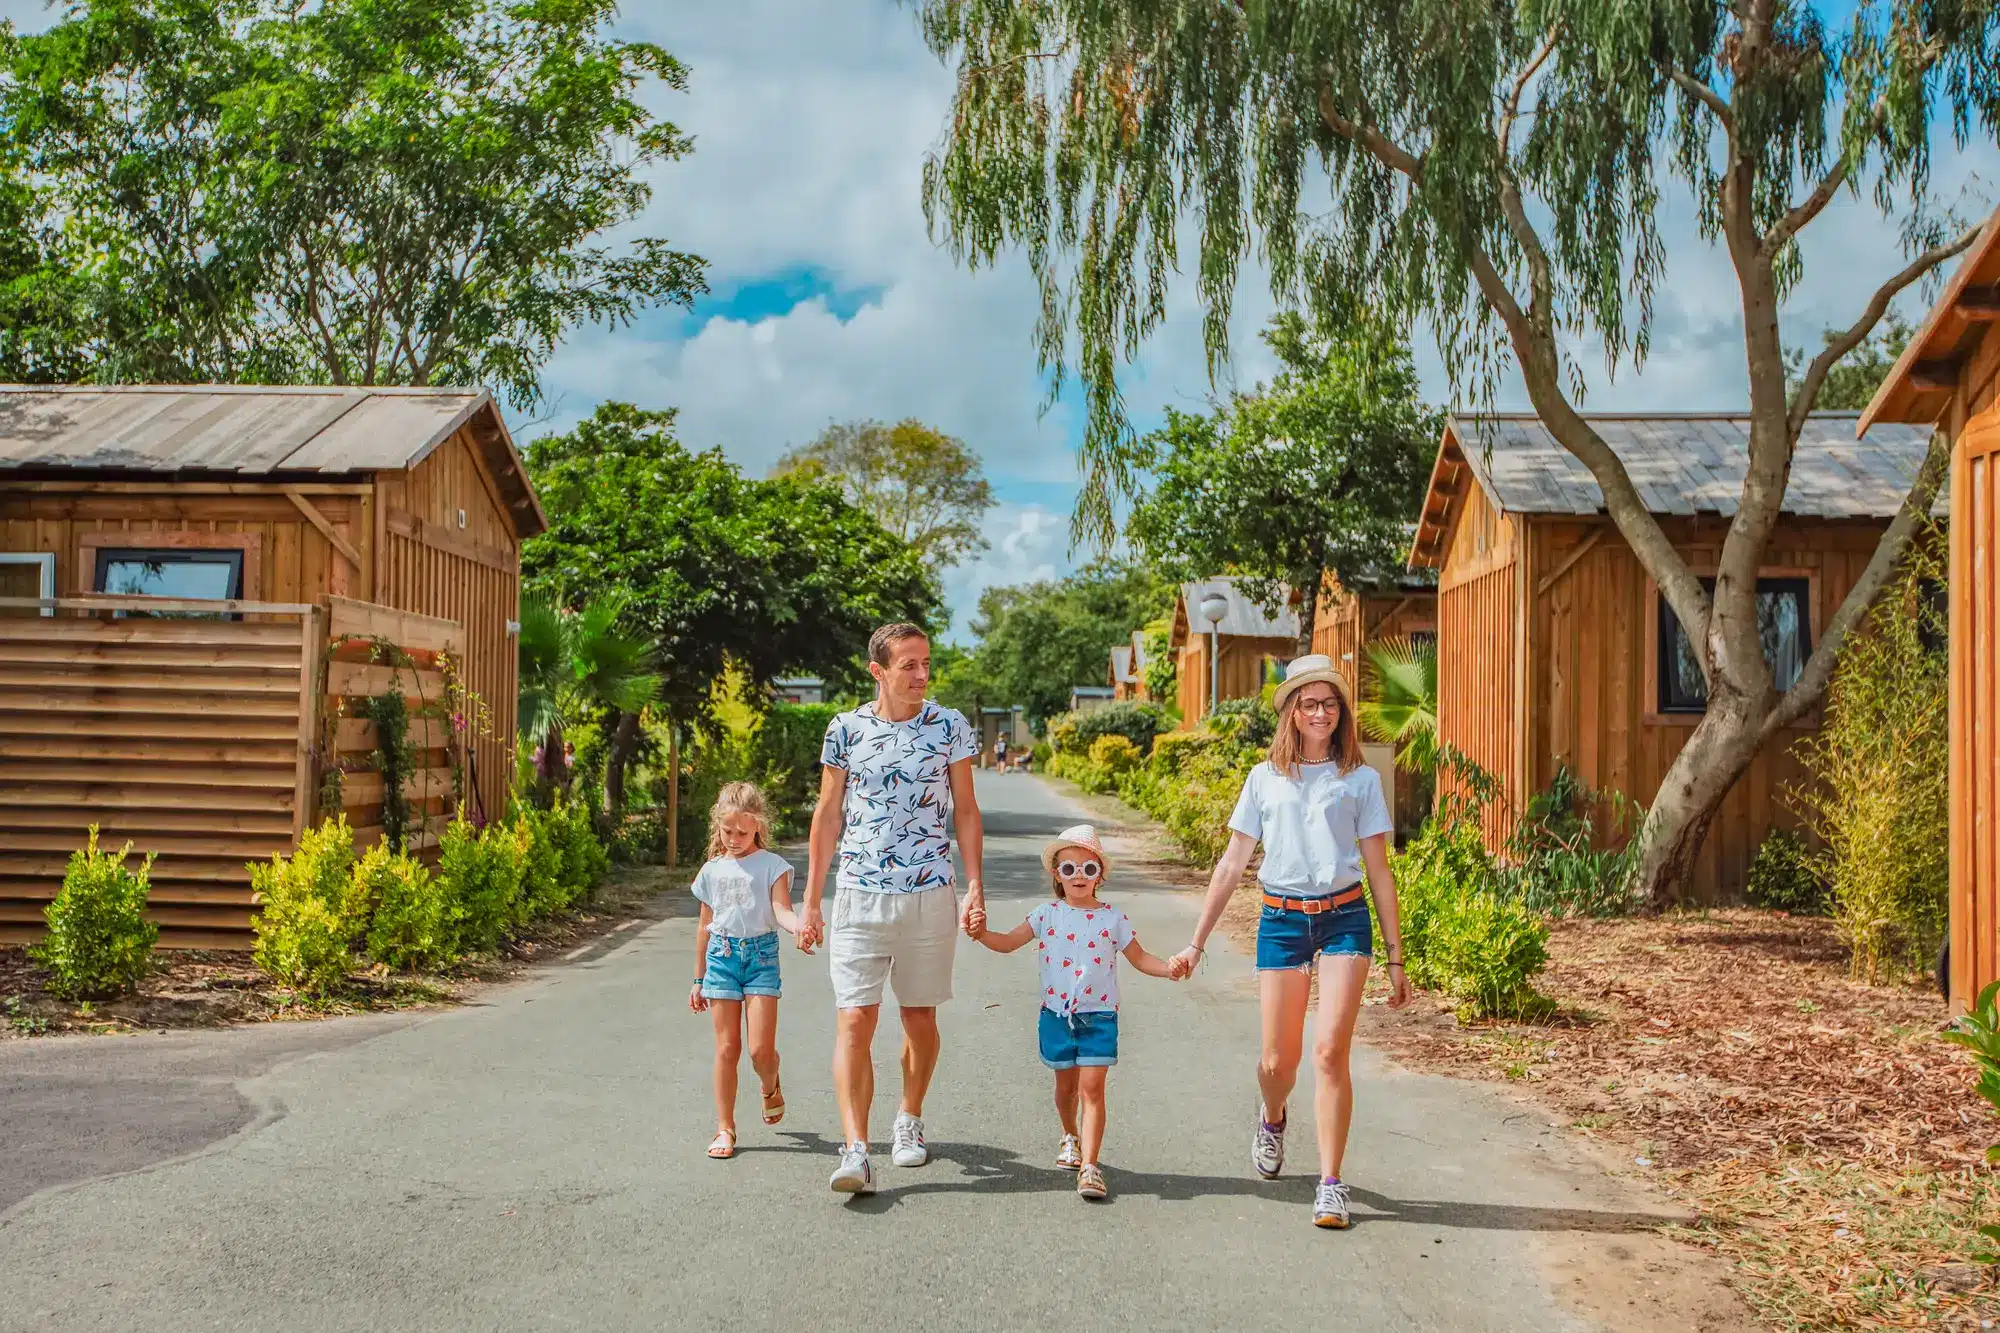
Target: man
896 781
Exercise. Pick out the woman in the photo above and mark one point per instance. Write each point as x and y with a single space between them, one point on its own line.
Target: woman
1319 812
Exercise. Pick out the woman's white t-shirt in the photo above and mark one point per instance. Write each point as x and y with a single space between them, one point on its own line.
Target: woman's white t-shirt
738 892
1311 826
1079 952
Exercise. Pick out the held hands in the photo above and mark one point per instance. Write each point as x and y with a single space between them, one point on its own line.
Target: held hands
972 913
697 1002
812 928
1181 966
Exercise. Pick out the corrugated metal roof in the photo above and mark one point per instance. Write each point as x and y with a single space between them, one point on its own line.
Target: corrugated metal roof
1243 616
254 430
1121 665
1693 464
1138 651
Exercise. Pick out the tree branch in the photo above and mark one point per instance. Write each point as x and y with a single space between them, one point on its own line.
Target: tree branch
1810 688
1704 94
1871 314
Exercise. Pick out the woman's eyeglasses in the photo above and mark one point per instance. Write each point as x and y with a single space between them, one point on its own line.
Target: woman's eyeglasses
1088 869
1315 707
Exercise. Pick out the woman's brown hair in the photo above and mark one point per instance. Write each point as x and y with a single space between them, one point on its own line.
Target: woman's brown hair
1287 747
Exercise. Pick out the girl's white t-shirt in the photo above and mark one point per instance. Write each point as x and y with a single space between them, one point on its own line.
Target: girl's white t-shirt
738 892
1311 826
1079 950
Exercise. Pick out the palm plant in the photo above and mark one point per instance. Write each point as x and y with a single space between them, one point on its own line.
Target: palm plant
1402 707
574 666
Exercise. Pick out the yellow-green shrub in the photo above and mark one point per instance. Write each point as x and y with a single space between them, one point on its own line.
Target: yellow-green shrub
99 943
409 926
481 872
1173 749
1460 934
1115 754
311 909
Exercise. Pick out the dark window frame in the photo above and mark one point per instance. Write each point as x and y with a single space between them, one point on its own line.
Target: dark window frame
232 556
1667 633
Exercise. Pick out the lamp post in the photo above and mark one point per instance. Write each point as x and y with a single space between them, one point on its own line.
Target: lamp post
1214 606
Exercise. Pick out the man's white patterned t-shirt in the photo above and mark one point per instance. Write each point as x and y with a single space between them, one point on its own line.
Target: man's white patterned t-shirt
1079 948
896 817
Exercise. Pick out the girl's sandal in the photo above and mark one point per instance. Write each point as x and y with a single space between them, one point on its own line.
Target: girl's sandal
723 1146
774 1106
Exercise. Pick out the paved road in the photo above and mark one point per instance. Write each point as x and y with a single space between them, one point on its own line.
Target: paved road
535 1162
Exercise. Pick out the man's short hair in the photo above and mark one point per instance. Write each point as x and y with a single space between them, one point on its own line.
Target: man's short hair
883 641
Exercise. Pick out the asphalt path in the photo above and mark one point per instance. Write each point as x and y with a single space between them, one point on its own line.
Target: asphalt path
535 1162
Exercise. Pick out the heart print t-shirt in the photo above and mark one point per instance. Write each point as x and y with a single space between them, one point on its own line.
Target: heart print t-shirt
1079 949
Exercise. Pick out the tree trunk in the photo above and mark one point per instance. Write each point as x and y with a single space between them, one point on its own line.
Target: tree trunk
1677 823
552 771
624 744
1309 611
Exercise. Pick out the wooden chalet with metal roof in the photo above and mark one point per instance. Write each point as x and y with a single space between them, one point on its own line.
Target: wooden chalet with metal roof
191 579
1555 648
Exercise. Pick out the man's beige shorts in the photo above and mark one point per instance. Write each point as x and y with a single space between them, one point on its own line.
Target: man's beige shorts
903 939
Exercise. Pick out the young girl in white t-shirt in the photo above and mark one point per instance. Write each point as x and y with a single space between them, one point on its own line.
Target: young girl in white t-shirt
1078 939
745 891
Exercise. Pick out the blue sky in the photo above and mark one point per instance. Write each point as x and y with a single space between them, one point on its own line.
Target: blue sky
829 303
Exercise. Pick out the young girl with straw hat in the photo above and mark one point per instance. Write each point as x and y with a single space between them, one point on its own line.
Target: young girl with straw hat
1078 939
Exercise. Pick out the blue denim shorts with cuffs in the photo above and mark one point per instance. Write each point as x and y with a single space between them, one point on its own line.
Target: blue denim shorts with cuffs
1288 938
1087 1040
740 968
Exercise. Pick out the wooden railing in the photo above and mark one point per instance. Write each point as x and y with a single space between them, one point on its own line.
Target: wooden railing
201 741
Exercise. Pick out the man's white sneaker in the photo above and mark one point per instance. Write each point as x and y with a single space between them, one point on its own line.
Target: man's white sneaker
854 1175
1267 1148
1330 1205
909 1148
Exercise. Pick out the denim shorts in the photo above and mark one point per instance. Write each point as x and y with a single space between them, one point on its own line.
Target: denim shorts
1088 1040
741 967
1287 938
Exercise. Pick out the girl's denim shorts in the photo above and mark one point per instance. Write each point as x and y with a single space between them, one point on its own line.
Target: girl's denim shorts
1072 1041
1288 939
738 968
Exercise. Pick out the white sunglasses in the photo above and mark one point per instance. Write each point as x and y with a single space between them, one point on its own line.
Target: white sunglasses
1068 868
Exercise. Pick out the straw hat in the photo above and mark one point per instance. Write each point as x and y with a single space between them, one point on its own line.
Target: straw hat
1303 671
1076 835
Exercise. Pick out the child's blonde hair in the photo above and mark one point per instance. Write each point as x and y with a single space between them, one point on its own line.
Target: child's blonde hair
738 798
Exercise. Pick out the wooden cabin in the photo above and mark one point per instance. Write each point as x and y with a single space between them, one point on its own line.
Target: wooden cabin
307 518
1248 639
1123 678
1555 648
1945 380
1403 607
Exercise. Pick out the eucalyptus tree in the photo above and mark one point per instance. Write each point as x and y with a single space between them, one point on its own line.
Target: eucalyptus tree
1498 170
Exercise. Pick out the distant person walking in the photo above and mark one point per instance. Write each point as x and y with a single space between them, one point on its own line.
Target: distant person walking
1318 810
1000 752
896 782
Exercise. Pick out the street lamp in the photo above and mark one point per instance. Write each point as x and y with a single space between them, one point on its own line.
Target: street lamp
1214 606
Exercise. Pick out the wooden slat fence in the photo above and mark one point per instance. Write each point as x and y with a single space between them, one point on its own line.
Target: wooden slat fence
373 650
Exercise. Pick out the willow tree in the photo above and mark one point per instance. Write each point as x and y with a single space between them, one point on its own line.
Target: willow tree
1496 170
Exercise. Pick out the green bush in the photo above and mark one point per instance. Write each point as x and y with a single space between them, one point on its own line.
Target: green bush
544 889
311 910
409 926
1461 934
99 943
1557 867
784 756
1062 734
1879 798
1194 802
1172 750
1784 878
481 872
1249 721
585 860
1041 755
1136 722
1115 754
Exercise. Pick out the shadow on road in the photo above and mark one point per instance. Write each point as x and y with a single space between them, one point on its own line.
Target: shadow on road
997 1171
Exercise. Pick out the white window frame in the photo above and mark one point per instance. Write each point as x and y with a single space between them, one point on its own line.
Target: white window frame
47 561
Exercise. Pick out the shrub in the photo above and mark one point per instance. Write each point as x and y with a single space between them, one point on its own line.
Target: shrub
1461 935
544 890
1041 755
409 925
1558 868
1196 801
1115 754
1172 750
99 943
311 909
1136 722
1062 734
1879 798
481 873
1784 878
784 756
1249 721
585 860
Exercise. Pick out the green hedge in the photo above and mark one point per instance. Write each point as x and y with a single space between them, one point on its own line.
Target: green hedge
1075 733
1461 934
99 943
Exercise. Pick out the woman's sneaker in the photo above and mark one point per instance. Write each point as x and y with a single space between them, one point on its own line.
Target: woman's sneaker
1090 1182
854 1175
1070 1156
1330 1205
907 1146
1267 1148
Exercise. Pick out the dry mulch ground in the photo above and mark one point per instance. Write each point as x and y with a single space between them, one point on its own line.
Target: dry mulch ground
192 988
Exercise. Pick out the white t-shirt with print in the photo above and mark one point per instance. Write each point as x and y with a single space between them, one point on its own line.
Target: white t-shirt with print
896 817
738 892
1079 949
1311 826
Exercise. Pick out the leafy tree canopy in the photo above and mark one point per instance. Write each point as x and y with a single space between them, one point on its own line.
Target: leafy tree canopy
776 576
923 485
1318 472
355 191
1851 385
1039 639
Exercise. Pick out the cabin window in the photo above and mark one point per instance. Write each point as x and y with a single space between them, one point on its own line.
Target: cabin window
28 575
196 573
1784 622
